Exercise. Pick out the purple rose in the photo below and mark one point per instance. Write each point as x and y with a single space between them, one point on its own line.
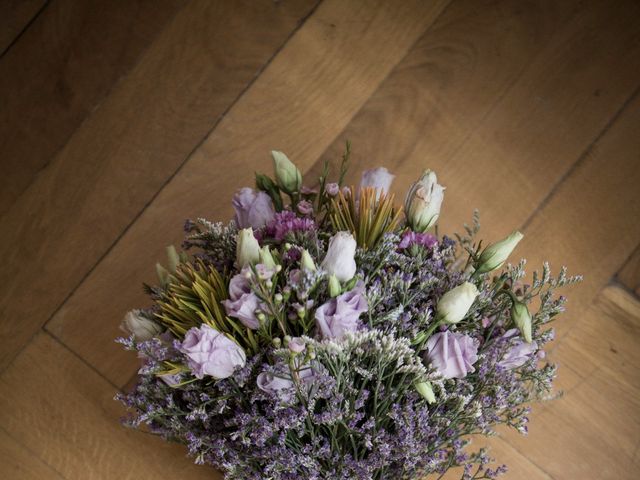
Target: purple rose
242 303
378 178
253 209
519 351
212 353
340 315
452 354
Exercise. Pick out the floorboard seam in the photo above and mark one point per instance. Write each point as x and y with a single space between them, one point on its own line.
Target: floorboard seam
76 355
581 159
90 113
301 22
24 29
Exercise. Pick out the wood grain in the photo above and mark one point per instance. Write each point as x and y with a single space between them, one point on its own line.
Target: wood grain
15 16
76 52
58 408
18 463
594 427
299 104
127 149
508 140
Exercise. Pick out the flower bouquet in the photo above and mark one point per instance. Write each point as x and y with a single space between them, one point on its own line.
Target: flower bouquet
326 333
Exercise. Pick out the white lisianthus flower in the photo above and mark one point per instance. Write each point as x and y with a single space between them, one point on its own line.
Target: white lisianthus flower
522 319
247 248
423 202
497 253
287 174
378 178
454 305
141 327
339 260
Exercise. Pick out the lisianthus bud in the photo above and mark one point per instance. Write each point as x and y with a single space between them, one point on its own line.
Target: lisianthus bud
163 275
174 258
497 253
334 286
339 260
306 262
522 319
332 189
141 327
423 202
425 389
287 174
378 178
454 305
247 248
266 258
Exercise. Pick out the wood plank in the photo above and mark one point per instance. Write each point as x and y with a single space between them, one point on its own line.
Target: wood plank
499 132
59 70
302 100
65 414
127 149
594 427
15 16
629 274
18 463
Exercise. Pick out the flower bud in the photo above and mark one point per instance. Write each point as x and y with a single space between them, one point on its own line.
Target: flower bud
296 345
339 260
266 258
174 258
306 262
247 248
287 174
425 389
423 202
335 288
454 305
141 327
497 253
163 275
522 319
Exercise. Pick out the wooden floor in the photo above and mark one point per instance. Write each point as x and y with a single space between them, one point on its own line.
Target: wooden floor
118 120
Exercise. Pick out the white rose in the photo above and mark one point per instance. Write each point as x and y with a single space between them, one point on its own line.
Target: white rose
141 327
454 305
339 260
423 202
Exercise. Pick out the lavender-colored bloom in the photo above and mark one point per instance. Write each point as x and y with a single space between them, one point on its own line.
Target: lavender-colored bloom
519 351
242 303
287 222
332 189
378 178
212 353
410 238
452 354
305 207
253 208
296 345
340 315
